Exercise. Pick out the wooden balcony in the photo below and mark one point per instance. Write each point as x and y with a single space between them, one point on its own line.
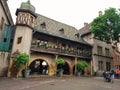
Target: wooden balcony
61 51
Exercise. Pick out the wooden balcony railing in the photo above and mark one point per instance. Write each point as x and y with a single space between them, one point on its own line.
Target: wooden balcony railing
61 51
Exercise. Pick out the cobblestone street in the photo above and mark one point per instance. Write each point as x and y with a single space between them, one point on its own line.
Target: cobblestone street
56 83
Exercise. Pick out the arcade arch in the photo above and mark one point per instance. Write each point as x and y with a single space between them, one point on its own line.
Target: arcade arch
42 66
39 66
66 68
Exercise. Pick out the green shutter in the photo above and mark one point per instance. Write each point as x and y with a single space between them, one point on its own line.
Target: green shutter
7 35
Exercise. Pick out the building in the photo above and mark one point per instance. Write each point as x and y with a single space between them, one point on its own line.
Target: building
47 40
6 32
116 57
102 58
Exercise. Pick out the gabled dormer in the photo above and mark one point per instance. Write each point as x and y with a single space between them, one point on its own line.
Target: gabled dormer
61 31
43 25
77 35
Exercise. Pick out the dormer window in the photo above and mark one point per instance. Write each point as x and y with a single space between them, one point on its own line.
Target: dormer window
61 30
77 35
43 25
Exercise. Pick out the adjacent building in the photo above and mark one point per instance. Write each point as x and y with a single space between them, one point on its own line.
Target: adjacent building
102 57
116 57
6 32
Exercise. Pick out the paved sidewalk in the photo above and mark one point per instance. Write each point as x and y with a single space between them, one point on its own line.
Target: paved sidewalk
22 83
67 83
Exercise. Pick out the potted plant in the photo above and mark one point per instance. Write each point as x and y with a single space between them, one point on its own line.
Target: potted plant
60 63
80 66
20 62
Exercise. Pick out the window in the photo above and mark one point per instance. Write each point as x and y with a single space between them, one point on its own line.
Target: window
77 35
107 52
19 40
108 66
5 40
61 30
43 25
99 50
118 57
100 65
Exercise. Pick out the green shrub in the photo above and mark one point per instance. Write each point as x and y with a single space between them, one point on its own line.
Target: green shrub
60 61
21 59
81 65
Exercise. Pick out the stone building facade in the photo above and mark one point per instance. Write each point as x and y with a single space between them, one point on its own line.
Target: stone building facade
5 22
47 40
102 57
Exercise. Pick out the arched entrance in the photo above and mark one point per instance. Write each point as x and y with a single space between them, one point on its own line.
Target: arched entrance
66 69
39 67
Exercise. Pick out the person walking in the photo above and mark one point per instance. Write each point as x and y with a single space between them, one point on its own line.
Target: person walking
112 75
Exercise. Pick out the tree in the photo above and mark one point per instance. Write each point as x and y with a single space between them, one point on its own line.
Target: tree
106 27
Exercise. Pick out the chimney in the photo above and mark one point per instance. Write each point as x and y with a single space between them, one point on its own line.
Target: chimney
100 13
85 24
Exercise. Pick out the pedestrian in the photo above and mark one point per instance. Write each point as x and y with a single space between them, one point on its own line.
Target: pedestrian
105 75
112 74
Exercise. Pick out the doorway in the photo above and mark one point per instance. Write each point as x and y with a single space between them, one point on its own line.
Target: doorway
39 67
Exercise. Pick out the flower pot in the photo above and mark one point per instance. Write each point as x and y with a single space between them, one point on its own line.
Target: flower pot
26 73
60 73
78 74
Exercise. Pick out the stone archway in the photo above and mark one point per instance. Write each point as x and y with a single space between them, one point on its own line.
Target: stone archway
39 66
66 68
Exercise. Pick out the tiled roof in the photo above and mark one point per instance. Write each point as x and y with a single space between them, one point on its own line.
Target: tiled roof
53 28
86 29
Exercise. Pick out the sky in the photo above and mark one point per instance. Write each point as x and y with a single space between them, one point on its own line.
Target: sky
71 12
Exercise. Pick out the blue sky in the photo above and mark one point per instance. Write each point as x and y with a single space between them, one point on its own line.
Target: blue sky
71 12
